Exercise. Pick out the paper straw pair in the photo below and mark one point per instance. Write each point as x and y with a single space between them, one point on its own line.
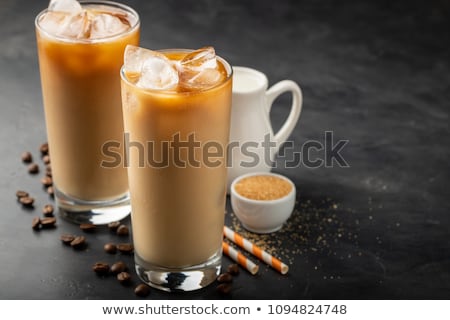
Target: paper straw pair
253 249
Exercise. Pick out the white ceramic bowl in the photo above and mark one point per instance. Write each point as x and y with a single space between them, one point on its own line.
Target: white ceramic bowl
262 216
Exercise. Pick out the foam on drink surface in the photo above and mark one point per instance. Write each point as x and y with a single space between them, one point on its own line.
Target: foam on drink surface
68 19
173 71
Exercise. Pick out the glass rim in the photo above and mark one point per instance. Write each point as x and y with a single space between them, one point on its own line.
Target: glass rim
225 63
114 4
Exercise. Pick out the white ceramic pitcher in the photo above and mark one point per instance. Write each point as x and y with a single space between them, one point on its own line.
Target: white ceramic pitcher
253 144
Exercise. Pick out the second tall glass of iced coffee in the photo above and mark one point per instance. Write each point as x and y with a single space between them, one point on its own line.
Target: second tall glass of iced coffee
176 107
80 55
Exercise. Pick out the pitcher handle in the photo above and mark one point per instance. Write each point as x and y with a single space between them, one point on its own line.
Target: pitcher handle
297 101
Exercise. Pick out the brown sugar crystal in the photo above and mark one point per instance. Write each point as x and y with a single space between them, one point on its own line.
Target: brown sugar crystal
263 187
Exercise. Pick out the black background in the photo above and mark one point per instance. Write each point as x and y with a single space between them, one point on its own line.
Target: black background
375 73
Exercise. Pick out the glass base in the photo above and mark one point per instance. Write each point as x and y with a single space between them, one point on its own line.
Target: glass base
95 212
179 279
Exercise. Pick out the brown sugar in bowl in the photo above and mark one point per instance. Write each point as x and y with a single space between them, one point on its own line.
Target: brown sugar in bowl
262 201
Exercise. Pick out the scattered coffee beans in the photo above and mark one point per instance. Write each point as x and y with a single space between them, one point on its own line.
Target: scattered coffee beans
142 290
224 288
46 159
48 171
124 277
51 191
44 149
27 201
110 248
225 278
113 226
118 267
233 269
47 181
78 243
36 223
33 168
101 268
48 222
125 248
21 194
67 238
88 227
47 211
27 157
122 230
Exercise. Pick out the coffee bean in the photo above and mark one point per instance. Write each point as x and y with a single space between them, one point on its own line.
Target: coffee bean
233 269
110 248
27 201
88 227
113 226
47 181
142 290
33 168
67 238
122 230
224 288
27 157
101 268
46 159
118 267
78 243
48 171
125 248
47 211
225 277
44 149
48 222
36 223
51 191
21 194
124 277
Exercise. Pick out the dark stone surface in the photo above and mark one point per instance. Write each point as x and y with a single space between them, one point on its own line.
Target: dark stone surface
375 73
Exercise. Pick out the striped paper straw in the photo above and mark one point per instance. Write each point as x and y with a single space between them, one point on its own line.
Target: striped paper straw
240 258
255 250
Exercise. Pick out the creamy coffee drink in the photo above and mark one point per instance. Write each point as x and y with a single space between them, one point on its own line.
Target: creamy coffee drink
80 54
176 108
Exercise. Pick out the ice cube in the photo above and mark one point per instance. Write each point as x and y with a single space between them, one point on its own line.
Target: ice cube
76 26
201 80
152 69
200 59
70 6
53 22
158 73
104 25
65 24
135 57
199 69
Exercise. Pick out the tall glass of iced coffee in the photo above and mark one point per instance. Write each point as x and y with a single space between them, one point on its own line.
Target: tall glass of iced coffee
176 106
80 47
